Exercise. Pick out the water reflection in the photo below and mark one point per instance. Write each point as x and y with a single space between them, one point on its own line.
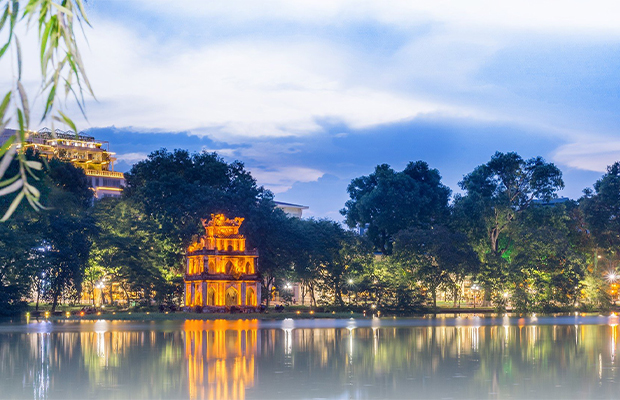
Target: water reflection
220 358
471 358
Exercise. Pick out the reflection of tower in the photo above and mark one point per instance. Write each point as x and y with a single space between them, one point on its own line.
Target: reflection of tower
220 358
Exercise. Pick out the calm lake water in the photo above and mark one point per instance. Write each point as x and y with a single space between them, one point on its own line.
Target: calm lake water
469 357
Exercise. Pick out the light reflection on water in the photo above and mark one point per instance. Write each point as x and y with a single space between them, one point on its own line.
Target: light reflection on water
553 357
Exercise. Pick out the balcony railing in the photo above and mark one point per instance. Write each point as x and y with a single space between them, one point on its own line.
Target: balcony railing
108 174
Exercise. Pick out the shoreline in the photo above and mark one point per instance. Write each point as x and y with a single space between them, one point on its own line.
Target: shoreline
272 315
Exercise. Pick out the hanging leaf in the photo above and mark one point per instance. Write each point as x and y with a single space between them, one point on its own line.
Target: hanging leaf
13 207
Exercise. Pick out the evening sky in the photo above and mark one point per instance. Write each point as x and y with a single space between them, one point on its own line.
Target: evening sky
310 94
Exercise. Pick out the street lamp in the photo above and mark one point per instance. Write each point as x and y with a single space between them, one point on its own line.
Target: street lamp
612 276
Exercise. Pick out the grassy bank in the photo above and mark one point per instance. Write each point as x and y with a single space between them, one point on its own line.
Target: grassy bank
175 316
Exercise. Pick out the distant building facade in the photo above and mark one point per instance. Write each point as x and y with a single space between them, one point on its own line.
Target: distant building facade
221 272
290 209
93 156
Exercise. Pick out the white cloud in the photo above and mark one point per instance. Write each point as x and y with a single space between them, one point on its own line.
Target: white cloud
131 158
589 156
244 88
281 179
573 16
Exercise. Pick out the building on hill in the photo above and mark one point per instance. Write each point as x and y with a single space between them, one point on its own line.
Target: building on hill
290 209
93 156
221 272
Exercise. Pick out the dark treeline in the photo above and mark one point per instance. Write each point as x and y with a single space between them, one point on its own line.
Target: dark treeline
507 237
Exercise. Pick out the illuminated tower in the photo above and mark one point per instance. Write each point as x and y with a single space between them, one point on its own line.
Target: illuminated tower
220 271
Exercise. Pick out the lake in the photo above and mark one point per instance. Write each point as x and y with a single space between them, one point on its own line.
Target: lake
420 358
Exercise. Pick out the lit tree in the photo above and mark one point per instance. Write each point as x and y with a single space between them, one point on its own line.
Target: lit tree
496 194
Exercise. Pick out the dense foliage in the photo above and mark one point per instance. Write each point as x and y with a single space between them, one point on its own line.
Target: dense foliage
504 239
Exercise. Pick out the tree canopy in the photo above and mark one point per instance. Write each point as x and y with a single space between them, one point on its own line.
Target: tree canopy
387 201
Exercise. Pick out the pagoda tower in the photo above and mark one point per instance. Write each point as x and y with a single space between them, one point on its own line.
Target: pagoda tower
220 271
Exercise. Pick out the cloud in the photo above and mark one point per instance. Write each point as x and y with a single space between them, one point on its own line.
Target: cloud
281 179
131 158
241 88
545 15
589 156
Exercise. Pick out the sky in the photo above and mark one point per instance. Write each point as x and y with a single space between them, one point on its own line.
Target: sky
311 94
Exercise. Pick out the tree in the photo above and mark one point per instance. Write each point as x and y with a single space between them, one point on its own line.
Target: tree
343 258
128 252
546 264
47 249
278 239
61 68
496 193
19 238
178 189
437 257
602 209
387 201
67 230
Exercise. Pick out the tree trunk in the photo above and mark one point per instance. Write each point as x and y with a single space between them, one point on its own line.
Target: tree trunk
55 299
269 282
312 297
455 295
303 290
36 307
339 296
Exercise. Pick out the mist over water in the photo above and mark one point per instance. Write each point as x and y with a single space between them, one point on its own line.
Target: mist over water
470 357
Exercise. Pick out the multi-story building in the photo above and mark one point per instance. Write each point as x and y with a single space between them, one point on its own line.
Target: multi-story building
93 156
290 209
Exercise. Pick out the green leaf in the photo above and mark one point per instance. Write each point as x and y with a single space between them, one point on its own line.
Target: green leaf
50 102
68 121
22 128
33 190
6 160
62 9
6 145
3 49
19 59
7 182
13 206
5 104
24 99
5 14
15 186
44 37
35 165
14 13
82 11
